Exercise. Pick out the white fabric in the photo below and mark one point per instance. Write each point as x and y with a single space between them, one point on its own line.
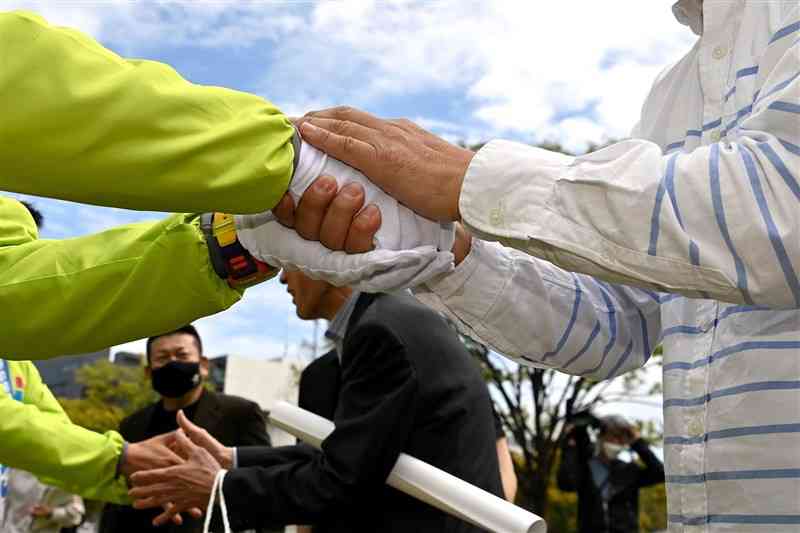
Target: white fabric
25 491
678 211
409 249
401 228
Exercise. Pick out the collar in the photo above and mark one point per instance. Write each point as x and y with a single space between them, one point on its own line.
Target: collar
690 13
337 328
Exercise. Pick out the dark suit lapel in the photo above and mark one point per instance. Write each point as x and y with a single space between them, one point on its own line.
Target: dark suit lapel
208 413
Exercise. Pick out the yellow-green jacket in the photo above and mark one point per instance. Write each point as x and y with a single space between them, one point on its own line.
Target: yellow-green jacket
36 435
81 123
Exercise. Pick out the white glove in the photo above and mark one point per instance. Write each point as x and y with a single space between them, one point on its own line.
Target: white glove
401 228
409 249
375 271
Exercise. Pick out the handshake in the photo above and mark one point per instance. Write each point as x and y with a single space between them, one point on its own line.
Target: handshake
402 238
175 471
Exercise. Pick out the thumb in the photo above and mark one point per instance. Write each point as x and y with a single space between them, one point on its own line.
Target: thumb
195 433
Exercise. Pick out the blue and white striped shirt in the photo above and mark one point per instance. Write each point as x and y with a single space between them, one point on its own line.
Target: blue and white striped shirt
688 236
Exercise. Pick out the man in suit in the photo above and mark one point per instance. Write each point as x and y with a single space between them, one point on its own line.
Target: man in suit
407 384
177 369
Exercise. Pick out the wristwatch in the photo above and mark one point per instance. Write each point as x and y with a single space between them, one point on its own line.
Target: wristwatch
231 260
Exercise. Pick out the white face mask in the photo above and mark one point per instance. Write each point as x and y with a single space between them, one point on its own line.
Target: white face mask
612 450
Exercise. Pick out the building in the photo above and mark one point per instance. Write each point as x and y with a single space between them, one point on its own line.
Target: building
59 373
264 381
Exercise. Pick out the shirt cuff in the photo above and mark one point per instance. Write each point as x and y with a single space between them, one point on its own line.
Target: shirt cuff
488 204
469 294
235 460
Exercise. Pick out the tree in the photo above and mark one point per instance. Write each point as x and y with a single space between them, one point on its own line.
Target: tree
111 391
533 404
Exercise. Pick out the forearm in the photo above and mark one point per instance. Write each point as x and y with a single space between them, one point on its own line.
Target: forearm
718 222
654 469
60 453
105 289
131 134
589 328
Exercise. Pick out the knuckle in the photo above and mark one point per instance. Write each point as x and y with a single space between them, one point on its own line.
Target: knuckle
344 111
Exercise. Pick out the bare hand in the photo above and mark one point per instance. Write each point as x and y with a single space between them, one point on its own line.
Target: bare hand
202 438
150 454
179 488
42 511
332 217
419 169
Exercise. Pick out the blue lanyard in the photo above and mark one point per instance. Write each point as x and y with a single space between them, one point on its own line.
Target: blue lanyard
5 378
5 382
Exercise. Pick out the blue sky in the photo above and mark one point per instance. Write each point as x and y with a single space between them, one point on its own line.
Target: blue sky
573 72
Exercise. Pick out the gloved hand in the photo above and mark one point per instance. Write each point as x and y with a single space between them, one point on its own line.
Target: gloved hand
401 228
408 249
381 270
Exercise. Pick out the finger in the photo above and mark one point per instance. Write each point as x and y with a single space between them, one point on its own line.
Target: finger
346 128
284 211
194 512
194 432
354 152
170 514
185 443
150 477
339 216
363 229
152 496
314 203
350 114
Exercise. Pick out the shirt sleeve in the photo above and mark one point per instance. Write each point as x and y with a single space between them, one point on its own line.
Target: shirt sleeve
721 221
81 123
541 315
36 435
373 420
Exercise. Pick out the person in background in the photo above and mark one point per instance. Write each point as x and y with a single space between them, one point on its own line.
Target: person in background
607 487
407 385
507 473
178 370
33 507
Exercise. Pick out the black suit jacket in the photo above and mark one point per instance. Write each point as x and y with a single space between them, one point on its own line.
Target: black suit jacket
407 385
232 420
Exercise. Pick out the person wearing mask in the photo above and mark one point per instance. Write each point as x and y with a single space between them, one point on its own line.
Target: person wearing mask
406 385
33 507
607 487
178 371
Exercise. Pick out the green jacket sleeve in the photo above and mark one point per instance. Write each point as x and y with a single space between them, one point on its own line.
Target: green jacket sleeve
36 435
81 123
92 292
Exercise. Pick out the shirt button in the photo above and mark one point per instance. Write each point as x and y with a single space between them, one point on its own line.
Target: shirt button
720 52
715 136
695 428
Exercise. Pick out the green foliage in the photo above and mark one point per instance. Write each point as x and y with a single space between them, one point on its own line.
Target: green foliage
111 392
653 508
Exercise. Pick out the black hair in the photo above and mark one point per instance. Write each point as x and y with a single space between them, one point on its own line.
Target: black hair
37 215
188 329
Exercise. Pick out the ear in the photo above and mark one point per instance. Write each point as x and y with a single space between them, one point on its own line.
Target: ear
204 366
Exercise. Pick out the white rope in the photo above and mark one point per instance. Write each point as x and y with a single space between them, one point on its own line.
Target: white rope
223 509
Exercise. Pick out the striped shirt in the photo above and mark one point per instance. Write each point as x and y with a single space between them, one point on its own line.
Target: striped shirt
687 235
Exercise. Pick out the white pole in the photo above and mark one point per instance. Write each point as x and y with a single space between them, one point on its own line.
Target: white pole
423 481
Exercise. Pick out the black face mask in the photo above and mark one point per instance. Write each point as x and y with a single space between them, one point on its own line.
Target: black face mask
175 379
